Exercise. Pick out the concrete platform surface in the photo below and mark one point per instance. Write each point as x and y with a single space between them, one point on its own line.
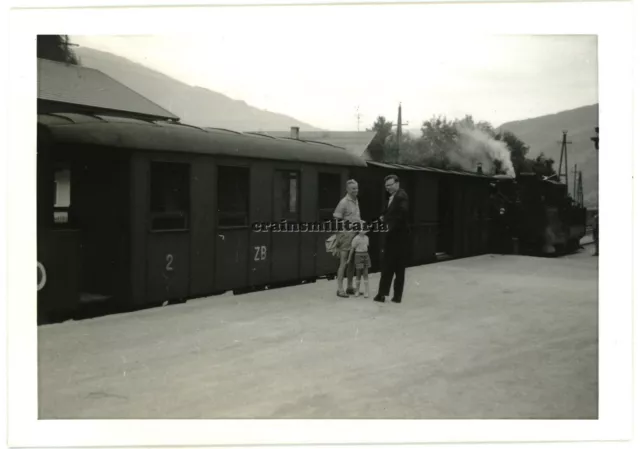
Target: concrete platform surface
484 337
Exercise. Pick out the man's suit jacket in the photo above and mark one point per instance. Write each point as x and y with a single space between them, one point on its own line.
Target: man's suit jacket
396 215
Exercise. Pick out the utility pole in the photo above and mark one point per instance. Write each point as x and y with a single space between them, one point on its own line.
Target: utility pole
564 160
358 116
575 182
399 127
580 198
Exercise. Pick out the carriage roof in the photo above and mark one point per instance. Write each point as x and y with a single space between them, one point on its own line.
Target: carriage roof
158 135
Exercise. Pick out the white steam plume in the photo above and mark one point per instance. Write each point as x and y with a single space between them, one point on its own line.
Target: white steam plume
477 146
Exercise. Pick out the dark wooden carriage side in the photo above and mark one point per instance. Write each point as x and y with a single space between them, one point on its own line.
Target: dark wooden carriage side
449 211
138 250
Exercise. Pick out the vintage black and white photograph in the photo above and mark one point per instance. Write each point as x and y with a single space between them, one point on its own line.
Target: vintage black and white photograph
155 166
297 215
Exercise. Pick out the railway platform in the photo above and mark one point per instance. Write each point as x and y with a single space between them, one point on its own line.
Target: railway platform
483 337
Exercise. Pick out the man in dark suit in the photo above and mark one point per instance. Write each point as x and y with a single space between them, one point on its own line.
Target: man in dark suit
396 217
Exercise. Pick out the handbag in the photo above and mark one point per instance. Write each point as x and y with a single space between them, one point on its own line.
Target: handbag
331 244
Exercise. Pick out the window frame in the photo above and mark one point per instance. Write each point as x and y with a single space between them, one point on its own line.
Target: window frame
284 174
58 166
184 214
222 215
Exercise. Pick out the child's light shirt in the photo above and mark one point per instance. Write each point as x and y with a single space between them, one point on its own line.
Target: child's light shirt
360 243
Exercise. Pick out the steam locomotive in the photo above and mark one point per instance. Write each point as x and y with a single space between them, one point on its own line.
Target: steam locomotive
536 216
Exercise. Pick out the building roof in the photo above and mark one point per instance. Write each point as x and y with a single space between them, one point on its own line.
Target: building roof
356 142
155 135
82 86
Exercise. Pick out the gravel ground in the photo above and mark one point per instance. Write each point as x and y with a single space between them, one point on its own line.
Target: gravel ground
484 337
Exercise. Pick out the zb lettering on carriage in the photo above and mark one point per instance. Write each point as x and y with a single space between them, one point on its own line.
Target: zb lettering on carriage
261 253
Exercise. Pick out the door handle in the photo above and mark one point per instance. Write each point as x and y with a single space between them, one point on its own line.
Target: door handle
221 236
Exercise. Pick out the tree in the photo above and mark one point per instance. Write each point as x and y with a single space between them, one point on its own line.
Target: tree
431 149
543 166
380 146
469 123
461 144
487 128
439 134
517 148
421 152
458 144
56 48
397 154
382 124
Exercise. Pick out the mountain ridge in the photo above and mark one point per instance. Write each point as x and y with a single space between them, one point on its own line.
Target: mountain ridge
195 105
543 134
201 106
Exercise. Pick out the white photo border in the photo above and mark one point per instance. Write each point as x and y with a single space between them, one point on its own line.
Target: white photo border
610 21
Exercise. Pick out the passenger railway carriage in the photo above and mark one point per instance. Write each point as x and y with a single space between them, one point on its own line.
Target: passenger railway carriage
449 210
144 212
136 212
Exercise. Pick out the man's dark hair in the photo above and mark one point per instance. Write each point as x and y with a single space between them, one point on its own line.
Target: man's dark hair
394 177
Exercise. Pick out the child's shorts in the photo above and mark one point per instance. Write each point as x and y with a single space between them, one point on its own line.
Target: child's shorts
362 260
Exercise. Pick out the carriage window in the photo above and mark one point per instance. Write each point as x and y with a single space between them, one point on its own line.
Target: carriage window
233 196
287 194
169 196
293 193
328 194
61 195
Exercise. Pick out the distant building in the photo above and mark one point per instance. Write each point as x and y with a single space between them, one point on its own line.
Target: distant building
356 142
71 88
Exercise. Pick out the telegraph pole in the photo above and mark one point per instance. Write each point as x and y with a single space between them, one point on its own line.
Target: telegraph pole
564 160
399 127
575 182
358 116
580 198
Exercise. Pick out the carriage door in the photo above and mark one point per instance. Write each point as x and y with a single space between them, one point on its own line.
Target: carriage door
59 239
285 264
168 244
329 185
426 216
232 232
446 214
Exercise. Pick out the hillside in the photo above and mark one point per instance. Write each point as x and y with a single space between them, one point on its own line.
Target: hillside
543 135
194 105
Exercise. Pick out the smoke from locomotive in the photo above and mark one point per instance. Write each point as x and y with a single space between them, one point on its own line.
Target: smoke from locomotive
477 146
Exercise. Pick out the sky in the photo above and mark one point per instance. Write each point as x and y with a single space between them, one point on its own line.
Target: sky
324 78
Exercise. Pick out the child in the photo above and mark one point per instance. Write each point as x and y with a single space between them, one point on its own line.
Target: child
360 245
